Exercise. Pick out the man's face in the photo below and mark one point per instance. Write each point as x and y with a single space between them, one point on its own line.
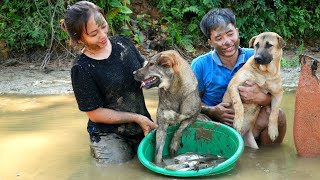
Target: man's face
225 40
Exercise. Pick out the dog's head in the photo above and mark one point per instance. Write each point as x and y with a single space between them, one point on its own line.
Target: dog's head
268 46
159 71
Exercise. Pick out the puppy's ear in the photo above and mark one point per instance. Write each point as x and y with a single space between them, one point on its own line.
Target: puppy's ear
155 58
252 41
166 61
145 63
281 42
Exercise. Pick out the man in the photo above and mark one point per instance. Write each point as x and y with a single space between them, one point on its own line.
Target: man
215 69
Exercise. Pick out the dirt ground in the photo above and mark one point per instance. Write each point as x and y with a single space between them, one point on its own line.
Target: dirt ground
26 78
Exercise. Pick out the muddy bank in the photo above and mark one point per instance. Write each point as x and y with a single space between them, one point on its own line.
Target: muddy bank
30 81
18 80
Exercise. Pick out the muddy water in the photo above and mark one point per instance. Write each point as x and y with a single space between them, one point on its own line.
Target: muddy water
44 137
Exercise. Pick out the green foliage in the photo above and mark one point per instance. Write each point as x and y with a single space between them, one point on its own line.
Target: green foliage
33 24
295 20
117 14
294 61
29 24
182 19
289 63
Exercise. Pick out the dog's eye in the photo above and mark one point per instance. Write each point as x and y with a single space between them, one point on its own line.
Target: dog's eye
151 64
257 45
268 45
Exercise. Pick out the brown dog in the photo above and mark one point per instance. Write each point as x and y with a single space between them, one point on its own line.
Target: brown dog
179 101
263 68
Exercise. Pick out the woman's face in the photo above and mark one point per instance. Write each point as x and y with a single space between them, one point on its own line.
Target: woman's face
225 40
96 36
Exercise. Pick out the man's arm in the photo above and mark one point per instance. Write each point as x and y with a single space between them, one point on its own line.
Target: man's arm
222 112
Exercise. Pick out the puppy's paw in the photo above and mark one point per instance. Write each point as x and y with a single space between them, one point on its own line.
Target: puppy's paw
158 159
173 148
273 131
169 114
237 125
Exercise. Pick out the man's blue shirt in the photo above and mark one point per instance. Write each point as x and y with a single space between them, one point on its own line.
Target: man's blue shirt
213 77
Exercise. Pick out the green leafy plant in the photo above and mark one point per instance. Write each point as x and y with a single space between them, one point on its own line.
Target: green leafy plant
296 20
294 61
31 23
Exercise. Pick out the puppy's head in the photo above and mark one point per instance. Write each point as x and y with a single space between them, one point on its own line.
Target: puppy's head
268 47
159 71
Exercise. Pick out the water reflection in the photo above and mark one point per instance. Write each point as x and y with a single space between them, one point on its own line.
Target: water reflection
44 137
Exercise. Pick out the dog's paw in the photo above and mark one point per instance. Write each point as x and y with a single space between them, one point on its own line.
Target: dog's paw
273 132
173 148
237 125
158 159
169 114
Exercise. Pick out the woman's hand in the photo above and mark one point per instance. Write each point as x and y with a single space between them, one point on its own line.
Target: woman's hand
146 124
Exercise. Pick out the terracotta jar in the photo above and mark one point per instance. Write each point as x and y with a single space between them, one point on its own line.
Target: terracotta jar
306 127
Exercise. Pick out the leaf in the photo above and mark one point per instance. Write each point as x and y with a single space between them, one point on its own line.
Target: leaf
113 13
125 10
193 9
192 27
115 4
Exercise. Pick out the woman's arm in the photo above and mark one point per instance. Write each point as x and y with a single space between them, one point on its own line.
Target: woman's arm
109 116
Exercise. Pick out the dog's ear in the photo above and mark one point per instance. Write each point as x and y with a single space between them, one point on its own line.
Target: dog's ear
166 61
145 63
252 41
281 42
155 58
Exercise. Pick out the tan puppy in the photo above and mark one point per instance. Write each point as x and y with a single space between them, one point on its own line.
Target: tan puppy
179 101
263 68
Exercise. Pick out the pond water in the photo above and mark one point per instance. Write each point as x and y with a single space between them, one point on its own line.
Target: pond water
44 137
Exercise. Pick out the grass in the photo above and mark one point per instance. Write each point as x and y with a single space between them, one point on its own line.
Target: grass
293 61
290 63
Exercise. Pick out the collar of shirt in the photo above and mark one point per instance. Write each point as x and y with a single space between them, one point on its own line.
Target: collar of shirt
240 59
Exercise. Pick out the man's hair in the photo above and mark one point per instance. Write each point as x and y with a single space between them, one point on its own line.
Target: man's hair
216 17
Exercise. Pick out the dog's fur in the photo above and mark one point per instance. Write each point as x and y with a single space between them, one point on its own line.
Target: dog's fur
179 101
263 68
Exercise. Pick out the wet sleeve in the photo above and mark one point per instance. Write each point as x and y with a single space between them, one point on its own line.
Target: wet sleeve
198 71
85 89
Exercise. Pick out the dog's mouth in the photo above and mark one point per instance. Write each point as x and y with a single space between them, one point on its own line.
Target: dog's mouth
150 82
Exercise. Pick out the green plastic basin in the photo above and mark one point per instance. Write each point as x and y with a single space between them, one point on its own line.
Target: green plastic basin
201 137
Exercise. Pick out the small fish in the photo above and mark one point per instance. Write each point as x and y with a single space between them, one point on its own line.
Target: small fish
187 157
192 161
182 166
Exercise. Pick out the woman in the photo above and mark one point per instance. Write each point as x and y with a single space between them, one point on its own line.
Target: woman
104 87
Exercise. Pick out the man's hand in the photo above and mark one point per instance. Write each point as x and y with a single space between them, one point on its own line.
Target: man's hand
222 112
252 93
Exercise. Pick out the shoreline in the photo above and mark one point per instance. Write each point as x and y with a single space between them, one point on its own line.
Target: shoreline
26 81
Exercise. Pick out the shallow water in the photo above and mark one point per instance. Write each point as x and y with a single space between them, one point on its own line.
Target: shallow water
44 137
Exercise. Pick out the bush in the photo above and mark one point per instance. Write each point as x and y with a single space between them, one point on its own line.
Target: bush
31 23
34 24
293 20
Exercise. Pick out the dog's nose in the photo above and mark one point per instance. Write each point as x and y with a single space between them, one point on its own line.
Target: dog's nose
258 59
